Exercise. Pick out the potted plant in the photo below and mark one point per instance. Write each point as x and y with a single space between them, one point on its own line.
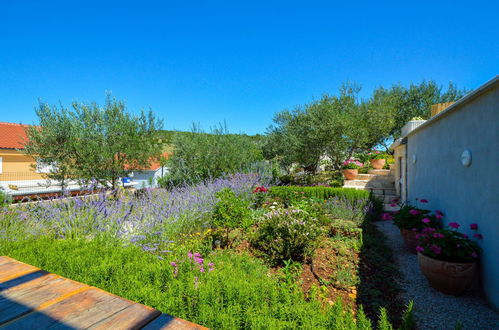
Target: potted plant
411 220
377 159
350 168
448 258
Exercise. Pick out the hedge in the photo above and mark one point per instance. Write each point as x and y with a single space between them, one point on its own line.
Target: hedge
291 193
288 193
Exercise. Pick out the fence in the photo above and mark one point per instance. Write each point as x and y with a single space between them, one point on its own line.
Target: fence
17 184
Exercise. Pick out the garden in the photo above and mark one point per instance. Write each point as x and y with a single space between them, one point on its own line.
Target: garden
243 231
232 252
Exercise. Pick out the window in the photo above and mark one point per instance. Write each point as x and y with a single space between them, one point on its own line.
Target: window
0 165
42 167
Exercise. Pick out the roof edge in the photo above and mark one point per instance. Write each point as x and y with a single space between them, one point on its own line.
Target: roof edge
458 104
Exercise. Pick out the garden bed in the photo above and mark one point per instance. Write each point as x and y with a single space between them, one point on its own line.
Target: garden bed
220 254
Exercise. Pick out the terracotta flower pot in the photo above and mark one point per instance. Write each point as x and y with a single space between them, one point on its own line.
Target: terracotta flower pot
378 164
350 174
448 277
410 240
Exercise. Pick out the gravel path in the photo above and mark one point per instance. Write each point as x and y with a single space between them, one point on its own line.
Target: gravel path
432 309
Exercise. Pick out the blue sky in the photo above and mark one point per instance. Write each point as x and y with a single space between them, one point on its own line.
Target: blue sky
241 62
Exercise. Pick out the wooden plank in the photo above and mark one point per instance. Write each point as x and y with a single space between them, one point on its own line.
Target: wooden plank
35 294
134 316
31 298
169 322
79 311
14 269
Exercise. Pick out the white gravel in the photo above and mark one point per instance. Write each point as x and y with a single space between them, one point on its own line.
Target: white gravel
432 309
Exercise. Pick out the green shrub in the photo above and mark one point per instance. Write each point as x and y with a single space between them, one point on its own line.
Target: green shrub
286 234
292 193
231 211
4 198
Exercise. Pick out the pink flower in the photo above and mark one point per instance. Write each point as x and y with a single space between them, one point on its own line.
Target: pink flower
473 226
439 215
479 236
396 200
173 264
474 255
386 216
426 220
419 249
465 236
393 204
189 254
436 249
414 212
454 225
423 201
197 255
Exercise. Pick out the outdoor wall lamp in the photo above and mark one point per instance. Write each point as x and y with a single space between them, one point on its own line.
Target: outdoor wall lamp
466 158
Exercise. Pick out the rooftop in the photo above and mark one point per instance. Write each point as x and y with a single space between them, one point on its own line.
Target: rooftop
12 135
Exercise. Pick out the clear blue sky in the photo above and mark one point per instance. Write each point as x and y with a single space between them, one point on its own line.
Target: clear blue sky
211 61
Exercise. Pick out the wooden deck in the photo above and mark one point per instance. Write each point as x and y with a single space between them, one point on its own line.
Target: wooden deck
31 298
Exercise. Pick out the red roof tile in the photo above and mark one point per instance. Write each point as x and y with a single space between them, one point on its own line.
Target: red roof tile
12 135
153 167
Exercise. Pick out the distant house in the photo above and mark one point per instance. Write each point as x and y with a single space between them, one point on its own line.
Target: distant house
452 160
19 173
148 177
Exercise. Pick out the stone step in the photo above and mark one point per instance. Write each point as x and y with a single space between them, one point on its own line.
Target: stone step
391 192
355 183
383 172
388 208
375 177
379 172
389 184
365 176
386 198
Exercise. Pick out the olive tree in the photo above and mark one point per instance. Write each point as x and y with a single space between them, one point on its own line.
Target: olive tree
89 142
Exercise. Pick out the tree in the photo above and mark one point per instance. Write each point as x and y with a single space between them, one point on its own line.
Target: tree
198 155
93 143
45 143
334 126
414 101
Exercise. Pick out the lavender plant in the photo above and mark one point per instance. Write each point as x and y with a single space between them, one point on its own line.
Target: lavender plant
347 209
148 219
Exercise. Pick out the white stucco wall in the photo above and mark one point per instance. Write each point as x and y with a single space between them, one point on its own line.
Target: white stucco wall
465 194
142 178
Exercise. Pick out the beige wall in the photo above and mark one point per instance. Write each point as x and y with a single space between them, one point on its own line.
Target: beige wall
465 194
17 167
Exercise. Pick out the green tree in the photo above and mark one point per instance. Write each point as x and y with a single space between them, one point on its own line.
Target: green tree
414 101
49 143
198 155
93 143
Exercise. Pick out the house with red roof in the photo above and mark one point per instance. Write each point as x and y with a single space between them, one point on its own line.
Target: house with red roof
148 177
14 165
22 175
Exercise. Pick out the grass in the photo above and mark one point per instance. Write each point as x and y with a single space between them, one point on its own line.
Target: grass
238 293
